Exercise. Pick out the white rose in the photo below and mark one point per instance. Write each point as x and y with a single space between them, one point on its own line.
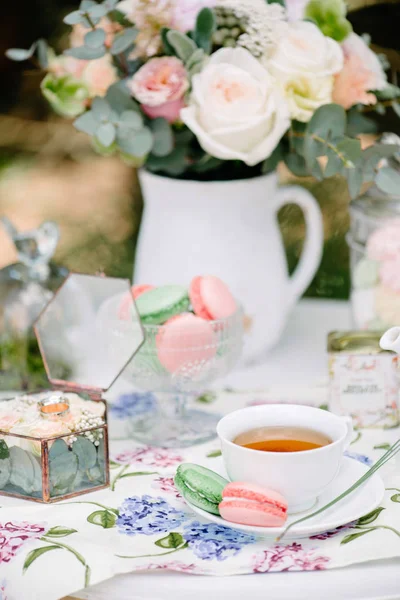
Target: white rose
305 49
236 110
305 94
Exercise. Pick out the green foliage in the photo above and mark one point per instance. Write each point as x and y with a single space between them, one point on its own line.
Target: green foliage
60 531
63 468
163 137
390 92
124 41
5 464
4 451
182 45
66 96
86 52
103 518
330 17
39 47
88 14
271 163
370 517
205 26
172 540
26 472
388 180
34 554
86 453
95 38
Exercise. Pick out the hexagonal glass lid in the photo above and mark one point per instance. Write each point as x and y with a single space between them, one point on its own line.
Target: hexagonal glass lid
89 332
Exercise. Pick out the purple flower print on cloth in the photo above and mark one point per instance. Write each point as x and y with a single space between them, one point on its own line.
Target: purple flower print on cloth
172 565
166 484
210 541
150 457
328 534
289 558
133 405
148 515
15 535
365 460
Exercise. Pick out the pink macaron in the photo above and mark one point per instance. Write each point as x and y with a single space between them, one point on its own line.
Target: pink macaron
251 504
126 302
185 342
211 299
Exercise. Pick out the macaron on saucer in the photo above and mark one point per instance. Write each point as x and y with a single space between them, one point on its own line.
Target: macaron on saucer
361 502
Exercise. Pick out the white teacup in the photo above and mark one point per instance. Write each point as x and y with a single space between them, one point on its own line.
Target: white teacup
299 476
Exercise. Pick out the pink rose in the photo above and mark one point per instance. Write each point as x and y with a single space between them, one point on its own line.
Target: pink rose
184 14
160 86
98 75
362 73
66 65
7 421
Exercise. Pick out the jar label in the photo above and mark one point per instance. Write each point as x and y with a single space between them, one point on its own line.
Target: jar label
365 387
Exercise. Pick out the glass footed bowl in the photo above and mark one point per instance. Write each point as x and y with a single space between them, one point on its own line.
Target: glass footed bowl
179 361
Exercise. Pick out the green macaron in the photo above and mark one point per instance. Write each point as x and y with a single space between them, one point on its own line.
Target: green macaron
160 304
200 486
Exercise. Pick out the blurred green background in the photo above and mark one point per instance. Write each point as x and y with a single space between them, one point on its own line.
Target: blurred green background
49 171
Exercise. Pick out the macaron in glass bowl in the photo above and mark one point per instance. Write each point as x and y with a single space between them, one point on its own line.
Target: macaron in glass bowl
179 360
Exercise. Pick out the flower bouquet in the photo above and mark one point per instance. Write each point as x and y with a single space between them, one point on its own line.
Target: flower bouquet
221 89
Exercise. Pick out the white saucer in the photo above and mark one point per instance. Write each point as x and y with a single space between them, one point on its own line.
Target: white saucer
362 501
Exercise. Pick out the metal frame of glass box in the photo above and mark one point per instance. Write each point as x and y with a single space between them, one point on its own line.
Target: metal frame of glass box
130 323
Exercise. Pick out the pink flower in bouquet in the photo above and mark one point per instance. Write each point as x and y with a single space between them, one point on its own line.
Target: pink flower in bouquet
77 35
98 75
160 86
7 421
184 14
362 73
66 65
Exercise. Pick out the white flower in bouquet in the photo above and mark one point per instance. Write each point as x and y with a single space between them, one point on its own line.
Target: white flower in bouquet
304 63
252 24
362 73
236 110
305 49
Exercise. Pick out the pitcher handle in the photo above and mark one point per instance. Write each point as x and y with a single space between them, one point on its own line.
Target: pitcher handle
313 244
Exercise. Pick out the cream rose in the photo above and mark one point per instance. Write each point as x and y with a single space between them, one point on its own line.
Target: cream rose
305 94
236 110
305 49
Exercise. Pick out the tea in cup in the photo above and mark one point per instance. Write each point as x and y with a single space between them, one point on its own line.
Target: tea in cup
296 450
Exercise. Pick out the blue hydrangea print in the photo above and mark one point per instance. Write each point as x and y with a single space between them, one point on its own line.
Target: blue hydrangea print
133 405
148 515
365 460
209 541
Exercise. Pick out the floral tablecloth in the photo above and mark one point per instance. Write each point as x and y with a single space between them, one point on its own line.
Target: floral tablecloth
142 523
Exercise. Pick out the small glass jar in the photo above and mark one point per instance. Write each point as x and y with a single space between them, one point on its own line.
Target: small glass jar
374 241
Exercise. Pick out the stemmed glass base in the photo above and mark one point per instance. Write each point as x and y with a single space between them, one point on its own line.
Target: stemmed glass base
173 425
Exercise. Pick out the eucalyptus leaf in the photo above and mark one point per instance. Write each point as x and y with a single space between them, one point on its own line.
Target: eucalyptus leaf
334 164
101 455
124 40
328 122
163 137
97 11
100 109
86 123
119 98
62 472
26 472
137 144
42 53
172 540
58 448
296 164
19 54
87 4
106 135
205 26
95 475
95 38
358 123
354 181
86 53
173 164
183 46
388 180
389 92
5 471
349 148
74 18
85 450
131 119
197 58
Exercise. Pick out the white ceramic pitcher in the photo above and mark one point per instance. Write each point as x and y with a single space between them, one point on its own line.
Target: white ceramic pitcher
229 229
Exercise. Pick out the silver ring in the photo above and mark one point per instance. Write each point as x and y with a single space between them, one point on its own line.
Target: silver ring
54 400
